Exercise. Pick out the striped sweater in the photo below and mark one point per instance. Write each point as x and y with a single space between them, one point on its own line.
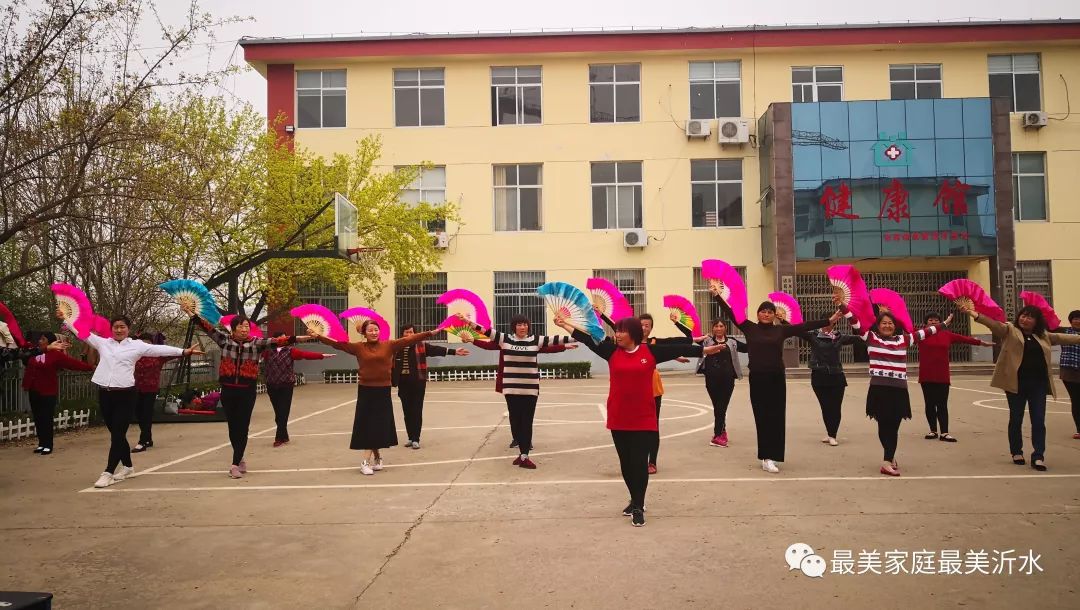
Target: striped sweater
888 355
518 365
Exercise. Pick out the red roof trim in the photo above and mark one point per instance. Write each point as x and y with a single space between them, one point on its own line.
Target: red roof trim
293 50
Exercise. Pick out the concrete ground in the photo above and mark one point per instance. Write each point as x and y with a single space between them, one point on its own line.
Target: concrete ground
455 525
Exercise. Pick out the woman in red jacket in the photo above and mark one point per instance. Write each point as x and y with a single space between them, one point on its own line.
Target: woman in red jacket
631 410
934 374
42 383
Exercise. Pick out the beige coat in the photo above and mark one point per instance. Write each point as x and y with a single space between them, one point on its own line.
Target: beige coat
1011 340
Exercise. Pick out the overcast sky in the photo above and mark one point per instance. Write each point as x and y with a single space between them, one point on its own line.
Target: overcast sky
294 18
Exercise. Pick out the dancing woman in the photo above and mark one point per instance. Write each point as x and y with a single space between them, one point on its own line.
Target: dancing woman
239 374
41 380
630 414
1022 371
117 395
373 423
768 382
281 381
827 377
1070 368
934 378
887 400
520 374
410 376
721 370
148 384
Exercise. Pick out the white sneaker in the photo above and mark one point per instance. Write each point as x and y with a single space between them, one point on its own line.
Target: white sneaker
365 468
832 442
769 466
416 444
378 464
123 472
104 480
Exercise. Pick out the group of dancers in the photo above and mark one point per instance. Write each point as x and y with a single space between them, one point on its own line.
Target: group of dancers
1022 371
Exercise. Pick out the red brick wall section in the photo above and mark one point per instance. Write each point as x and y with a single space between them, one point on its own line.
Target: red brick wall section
281 97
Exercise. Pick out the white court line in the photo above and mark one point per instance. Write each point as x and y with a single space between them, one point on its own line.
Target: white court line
154 469
999 393
603 411
979 403
652 481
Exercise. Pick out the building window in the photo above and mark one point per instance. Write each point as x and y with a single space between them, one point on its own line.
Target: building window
715 89
515 96
615 93
320 98
416 301
716 192
1017 78
616 195
429 187
1036 276
631 282
817 84
419 96
707 308
915 81
515 293
1029 186
518 200
320 293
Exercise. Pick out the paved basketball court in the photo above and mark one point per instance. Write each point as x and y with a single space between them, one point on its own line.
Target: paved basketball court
455 525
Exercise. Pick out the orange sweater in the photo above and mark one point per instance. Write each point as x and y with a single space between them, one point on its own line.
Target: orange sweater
374 360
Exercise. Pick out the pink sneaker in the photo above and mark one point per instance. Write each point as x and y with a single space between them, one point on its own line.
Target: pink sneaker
723 438
235 472
243 467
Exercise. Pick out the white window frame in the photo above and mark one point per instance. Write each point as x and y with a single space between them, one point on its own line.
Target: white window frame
1013 72
617 184
915 80
615 91
424 293
538 326
320 293
742 212
419 99
815 83
495 188
519 98
321 89
714 80
1017 202
417 186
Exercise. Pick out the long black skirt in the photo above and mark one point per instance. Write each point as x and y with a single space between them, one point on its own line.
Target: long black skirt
888 403
373 424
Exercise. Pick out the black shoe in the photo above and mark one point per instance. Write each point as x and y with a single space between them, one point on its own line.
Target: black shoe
948 438
48 451
513 443
930 436
140 447
38 450
1038 465
1019 460
629 510
637 517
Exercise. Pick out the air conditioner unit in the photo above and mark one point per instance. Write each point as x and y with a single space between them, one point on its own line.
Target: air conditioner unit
635 238
733 130
1035 119
698 128
440 240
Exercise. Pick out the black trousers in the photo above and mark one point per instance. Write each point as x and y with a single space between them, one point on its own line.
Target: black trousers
411 394
1073 388
830 398
117 408
44 409
888 431
1033 396
768 399
654 448
936 397
633 449
238 404
522 409
720 390
144 412
281 400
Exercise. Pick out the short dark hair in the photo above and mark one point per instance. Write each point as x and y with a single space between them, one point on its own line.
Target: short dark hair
237 320
126 320
405 327
1074 314
520 319
716 321
884 314
766 306
365 324
645 316
1034 312
632 327
146 336
280 333
50 336
932 314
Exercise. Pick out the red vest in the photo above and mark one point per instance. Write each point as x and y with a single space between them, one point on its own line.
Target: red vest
630 404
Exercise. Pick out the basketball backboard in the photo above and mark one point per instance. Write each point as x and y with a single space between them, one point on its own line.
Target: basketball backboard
344 225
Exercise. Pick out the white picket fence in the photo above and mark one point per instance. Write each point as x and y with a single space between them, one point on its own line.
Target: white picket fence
452 375
23 428
260 388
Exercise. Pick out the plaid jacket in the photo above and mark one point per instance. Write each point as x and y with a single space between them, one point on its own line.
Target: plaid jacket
240 361
1070 354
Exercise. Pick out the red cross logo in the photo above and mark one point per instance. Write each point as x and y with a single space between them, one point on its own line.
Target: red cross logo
893 152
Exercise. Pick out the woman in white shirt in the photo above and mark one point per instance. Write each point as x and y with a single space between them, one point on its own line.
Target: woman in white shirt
115 379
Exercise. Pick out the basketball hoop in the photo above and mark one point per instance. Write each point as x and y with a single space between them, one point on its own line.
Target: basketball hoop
366 257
